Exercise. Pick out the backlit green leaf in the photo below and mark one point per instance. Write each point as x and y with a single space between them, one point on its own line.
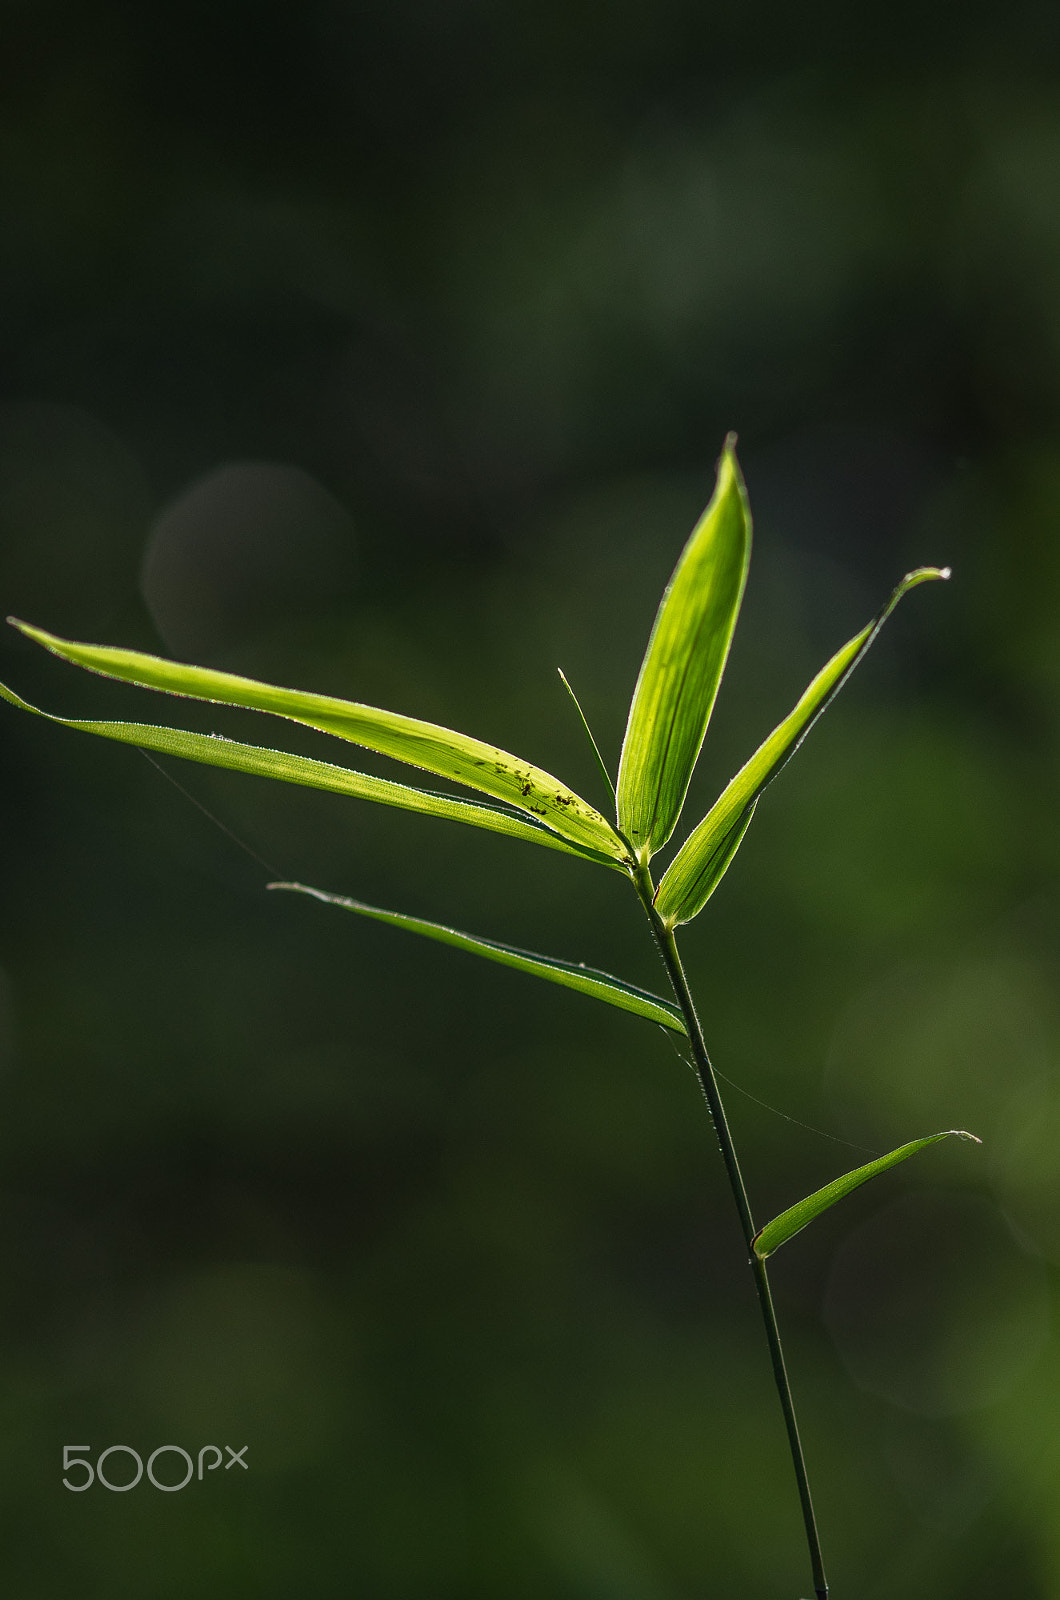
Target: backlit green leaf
683 664
792 1221
448 754
214 751
699 865
572 975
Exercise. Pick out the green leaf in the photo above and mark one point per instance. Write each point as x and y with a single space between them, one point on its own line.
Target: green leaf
214 751
696 870
448 754
792 1221
571 974
683 664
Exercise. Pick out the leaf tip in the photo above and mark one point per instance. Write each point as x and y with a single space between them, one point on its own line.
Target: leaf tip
962 1133
38 635
924 575
728 459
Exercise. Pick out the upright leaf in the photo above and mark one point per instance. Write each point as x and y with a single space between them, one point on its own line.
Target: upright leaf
571 974
212 750
697 869
683 664
792 1221
448 754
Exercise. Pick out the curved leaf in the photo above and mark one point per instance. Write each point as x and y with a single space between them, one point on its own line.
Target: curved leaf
571 974
683 664
792 1221
448 754
698 867
212 750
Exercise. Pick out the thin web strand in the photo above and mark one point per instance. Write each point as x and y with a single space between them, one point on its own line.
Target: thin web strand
798 1123
273 871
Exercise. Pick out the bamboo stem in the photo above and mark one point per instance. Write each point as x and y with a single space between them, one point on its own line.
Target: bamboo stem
664 938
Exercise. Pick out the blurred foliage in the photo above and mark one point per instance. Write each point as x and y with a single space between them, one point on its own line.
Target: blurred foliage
387 351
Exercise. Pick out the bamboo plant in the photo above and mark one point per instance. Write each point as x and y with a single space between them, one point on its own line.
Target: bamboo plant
668 718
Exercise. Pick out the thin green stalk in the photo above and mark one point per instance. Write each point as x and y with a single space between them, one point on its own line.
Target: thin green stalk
667 944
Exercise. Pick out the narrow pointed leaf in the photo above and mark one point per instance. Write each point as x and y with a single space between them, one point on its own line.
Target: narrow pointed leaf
571 974
696 870
212 750
443 751
600 762
792 1221
683 664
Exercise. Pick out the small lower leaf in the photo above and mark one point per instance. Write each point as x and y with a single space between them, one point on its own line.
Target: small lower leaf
571 974
792 1221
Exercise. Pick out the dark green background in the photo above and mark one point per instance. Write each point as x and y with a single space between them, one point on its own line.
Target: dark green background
386 350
